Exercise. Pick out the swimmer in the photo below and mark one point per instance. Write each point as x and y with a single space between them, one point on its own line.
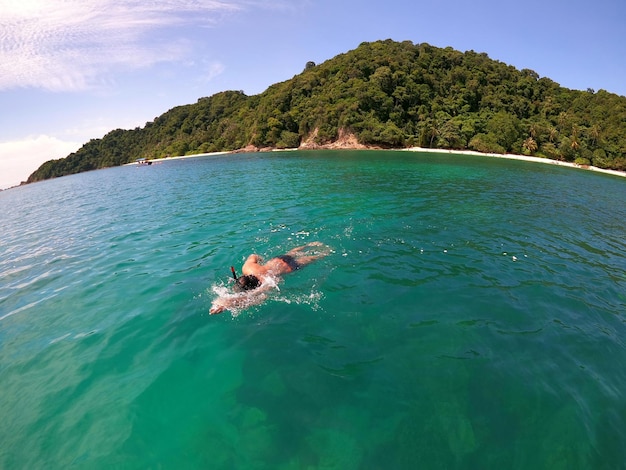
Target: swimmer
258 278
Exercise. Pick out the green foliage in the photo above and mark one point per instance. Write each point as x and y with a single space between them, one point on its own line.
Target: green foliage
486 143
503 127
389 94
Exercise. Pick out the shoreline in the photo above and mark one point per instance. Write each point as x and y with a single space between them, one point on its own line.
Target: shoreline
149 161
506 156
525 158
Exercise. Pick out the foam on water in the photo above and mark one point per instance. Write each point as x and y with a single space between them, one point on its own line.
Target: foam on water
238 301
243 301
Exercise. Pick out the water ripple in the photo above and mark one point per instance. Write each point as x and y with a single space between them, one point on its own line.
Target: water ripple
470 308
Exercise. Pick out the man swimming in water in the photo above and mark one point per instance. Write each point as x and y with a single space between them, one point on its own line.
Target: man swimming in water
260 278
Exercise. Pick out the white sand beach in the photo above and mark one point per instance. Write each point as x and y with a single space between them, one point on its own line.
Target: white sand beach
525 158
179 157
195 155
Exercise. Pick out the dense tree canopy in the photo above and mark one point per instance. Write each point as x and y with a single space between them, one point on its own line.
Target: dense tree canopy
390 95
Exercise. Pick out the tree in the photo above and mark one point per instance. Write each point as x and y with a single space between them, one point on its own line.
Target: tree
288 140
486 143
450 136
505 128
594 134
529 145
433 132
554 133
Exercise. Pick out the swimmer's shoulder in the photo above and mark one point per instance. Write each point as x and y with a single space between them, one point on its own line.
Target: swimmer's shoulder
253 258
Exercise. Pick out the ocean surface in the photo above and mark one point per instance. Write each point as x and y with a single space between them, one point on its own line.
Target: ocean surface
471 315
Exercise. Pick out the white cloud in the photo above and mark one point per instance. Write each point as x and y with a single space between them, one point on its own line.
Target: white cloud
210 71
69 45
19 159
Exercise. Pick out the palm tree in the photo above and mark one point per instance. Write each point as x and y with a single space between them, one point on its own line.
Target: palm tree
434 132
575 144
563 120
530 145
554 133
594 132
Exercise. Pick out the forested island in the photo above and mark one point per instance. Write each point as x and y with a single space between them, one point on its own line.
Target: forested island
386 94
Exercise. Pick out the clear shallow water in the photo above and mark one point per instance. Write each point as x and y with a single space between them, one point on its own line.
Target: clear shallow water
471 315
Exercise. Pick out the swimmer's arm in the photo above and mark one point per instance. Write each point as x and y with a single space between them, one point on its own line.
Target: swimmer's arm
217 308
221 304
227 303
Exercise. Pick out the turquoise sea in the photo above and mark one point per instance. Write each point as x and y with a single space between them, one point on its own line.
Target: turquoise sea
471 315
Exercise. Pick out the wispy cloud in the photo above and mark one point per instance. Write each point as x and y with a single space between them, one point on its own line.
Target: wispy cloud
69 45
20 158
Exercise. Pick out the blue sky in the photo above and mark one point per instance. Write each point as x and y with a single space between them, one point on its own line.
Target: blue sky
72 70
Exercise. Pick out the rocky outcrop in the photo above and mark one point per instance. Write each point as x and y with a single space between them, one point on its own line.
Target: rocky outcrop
345 140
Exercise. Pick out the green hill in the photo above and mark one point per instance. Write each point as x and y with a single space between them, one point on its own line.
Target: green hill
391 95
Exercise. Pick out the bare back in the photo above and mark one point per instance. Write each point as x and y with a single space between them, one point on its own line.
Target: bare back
292 260
274 267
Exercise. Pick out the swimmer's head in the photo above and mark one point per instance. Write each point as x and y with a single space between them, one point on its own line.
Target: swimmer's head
247 282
